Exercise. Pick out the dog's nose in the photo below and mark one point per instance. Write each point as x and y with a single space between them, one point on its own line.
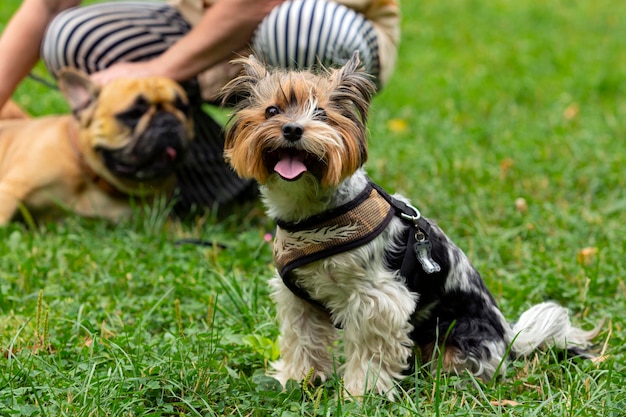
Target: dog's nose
293 132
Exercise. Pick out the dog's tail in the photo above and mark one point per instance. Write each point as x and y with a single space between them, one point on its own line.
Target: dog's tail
548 325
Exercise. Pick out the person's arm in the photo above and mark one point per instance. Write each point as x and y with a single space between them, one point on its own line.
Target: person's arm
227 26
21 40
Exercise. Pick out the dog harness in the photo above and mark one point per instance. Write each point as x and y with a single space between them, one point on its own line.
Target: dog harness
349 226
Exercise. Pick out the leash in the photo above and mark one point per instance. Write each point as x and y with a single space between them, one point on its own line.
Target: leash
43 81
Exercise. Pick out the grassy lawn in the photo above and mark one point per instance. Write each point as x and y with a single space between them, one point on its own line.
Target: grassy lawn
505 121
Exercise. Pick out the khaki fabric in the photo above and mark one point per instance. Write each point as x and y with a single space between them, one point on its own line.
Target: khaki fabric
356 226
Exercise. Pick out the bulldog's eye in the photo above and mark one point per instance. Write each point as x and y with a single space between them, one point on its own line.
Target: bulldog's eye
181 105
131 116
271 111
319 114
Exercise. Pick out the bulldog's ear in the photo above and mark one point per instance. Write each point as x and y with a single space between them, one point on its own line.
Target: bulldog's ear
78 89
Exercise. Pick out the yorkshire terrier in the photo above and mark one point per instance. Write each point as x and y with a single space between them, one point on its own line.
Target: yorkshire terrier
353 260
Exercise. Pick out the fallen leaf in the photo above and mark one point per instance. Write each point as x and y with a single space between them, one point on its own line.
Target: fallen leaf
571 112
397 125
505 166
88 341
587 255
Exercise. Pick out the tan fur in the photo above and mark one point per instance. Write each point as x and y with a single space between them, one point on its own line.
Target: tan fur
336 141
376 324
302 136
11 110
52 162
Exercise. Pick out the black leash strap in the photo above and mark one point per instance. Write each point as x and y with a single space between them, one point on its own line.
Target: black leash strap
43 81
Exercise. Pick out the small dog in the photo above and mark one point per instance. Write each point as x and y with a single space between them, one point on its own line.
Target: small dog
123 141
350 256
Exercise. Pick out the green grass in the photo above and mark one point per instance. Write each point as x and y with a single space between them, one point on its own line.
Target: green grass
491 102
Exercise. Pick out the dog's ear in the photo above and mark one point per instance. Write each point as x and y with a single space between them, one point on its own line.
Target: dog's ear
241 87
353 84
254 68
78 89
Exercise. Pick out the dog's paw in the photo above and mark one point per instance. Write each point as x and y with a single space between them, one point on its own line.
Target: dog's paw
359 387
284 372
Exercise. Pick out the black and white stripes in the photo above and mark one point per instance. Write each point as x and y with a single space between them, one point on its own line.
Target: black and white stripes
298 33
96 36
306 33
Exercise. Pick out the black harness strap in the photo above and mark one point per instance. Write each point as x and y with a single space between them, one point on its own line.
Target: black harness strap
417 226
328 214
428 283
409 266
286 271
289 278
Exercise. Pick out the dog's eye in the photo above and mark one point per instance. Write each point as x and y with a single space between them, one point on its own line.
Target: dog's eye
319 114
131 116
181 105
271 111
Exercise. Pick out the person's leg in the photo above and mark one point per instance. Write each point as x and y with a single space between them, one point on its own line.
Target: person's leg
96 36
307 33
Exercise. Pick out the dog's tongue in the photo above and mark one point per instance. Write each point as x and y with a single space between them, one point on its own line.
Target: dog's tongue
290 166
171 152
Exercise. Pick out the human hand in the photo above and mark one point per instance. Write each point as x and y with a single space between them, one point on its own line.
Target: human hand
125 70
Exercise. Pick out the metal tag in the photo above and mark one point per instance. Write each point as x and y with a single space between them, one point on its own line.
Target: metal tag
422 251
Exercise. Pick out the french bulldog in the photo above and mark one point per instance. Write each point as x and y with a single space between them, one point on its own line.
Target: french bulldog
122 143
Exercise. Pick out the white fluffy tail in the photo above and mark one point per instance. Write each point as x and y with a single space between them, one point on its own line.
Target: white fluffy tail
548 325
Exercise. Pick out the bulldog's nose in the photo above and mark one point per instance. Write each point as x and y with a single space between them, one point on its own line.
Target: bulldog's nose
292 132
